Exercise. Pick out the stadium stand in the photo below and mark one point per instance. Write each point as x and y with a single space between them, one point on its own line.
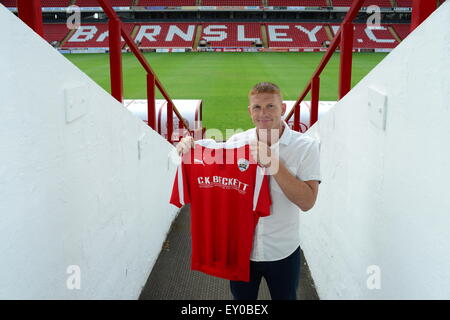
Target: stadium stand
126 3
166 35
92 35
306 3
166 3
348 3
9 3
298 35
94 3
55 3
231 3
226 35
372 37
185 30
380 3
404 3
402 30
231 34
341 3
55 32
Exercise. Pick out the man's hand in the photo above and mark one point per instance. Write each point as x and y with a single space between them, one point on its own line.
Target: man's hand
185 145
301 193
264 156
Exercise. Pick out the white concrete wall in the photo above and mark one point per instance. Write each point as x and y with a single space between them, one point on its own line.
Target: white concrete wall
384 198
73 191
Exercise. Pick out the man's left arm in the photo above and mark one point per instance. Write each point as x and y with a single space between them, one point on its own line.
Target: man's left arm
302 193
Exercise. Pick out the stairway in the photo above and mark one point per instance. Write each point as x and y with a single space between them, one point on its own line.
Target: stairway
329 32
67 37
172 278
264 36
394 34
198 36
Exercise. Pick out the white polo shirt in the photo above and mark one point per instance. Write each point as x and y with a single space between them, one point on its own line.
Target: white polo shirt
277 236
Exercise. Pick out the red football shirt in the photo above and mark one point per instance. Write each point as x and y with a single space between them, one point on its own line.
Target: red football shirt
228 192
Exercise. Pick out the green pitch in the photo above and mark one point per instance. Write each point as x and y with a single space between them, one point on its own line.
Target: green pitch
222 80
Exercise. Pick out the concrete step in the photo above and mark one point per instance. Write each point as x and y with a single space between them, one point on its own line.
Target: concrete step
172 279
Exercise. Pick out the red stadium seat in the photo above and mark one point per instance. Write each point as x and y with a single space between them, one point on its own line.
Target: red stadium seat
93 35
373 38
380 3
341 3
55 32
166 3
226 35
348 3
403 30
9 3
231 34
405 3
44 3
295 3
231 3
55 3
94 3
296 35
366 37
166 35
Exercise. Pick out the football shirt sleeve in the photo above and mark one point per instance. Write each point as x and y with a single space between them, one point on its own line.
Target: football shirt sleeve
261 196
180 190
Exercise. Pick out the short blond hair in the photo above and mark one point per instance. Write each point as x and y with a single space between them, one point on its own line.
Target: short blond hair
265 87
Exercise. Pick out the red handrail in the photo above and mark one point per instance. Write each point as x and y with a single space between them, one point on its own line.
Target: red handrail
152 80
344 38
30 11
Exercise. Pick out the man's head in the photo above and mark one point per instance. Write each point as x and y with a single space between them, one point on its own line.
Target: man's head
266 106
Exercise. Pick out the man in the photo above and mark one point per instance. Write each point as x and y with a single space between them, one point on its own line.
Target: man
292 160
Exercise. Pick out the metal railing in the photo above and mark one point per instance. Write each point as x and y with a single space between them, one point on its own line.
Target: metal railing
344 39
115 52
30 11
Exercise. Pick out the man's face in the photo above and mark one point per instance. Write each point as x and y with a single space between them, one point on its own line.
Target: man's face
266 110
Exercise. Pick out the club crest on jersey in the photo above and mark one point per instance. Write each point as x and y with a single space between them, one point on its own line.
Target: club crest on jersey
243 164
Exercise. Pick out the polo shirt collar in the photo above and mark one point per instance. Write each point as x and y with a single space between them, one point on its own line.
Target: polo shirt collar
285 137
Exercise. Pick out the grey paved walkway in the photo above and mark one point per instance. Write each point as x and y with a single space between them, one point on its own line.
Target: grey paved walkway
172 279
